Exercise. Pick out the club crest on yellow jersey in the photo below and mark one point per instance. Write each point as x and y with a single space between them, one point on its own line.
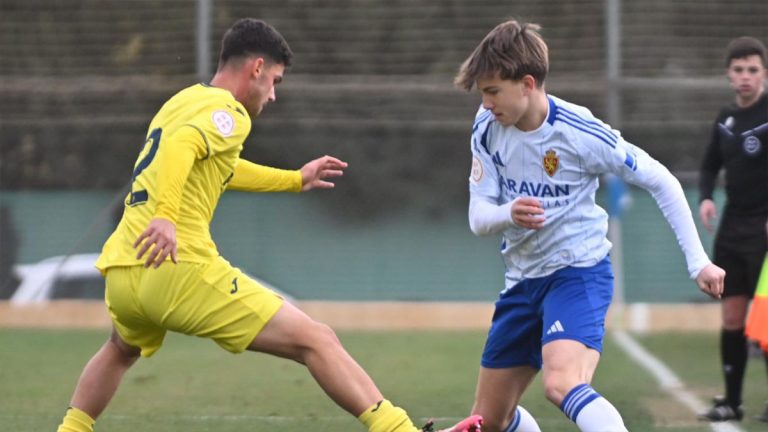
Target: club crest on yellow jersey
224 122
551 162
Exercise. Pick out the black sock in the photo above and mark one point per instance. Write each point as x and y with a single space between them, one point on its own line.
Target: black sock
765 356
733 353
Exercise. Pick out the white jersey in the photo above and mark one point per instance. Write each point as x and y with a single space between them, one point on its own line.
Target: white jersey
560 163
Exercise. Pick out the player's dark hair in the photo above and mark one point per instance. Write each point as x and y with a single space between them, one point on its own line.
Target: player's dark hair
745 46
252 37
513 50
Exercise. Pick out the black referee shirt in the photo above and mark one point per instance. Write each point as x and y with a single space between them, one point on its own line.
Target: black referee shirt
738 144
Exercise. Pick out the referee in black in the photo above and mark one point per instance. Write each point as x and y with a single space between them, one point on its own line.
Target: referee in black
738 145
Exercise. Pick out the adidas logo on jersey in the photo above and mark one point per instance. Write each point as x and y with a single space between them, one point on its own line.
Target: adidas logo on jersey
556 327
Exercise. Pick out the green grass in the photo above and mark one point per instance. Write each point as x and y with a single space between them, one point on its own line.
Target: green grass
695 358
191 385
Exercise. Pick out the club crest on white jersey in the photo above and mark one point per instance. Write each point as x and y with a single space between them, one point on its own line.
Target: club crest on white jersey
477 170
551 162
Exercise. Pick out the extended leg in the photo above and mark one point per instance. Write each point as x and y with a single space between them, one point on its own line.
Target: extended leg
292 334
98 383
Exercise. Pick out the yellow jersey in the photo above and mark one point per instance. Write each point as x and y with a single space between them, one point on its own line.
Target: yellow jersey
190 156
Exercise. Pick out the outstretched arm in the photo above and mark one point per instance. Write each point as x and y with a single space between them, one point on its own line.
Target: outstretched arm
251 177
669 196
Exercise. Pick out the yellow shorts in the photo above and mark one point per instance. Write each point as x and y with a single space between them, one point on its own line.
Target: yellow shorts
212 300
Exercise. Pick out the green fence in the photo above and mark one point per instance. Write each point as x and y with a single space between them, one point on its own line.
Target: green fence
413 255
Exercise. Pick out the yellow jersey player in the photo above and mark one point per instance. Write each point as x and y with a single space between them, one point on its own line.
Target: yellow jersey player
163 271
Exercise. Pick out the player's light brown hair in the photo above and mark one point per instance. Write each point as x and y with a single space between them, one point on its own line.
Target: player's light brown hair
512 50
745 46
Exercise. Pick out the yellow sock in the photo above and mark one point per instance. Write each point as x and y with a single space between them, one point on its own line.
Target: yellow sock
76 421
385 417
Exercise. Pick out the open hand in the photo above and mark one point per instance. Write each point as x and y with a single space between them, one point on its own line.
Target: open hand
314 173
160 233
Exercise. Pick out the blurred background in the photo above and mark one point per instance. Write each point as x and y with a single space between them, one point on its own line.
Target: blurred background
372 84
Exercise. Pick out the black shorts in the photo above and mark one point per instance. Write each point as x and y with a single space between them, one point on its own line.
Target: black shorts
740 247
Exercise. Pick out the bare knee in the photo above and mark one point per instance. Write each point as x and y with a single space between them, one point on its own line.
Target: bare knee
735 320
734 310
557 386
315 338
567 363
127 354
322 336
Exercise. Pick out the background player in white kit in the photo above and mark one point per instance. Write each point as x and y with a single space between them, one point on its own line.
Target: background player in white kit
536 163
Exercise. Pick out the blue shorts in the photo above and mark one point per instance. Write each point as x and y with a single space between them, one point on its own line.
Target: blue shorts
571 303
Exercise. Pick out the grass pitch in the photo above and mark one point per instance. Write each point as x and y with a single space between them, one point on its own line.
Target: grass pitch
191 385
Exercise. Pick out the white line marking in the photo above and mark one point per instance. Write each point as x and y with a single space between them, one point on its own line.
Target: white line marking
667 379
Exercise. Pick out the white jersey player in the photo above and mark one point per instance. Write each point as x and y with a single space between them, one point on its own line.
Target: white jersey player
536 166
559 164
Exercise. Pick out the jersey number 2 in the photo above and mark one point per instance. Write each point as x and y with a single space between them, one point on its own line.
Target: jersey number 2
153 141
